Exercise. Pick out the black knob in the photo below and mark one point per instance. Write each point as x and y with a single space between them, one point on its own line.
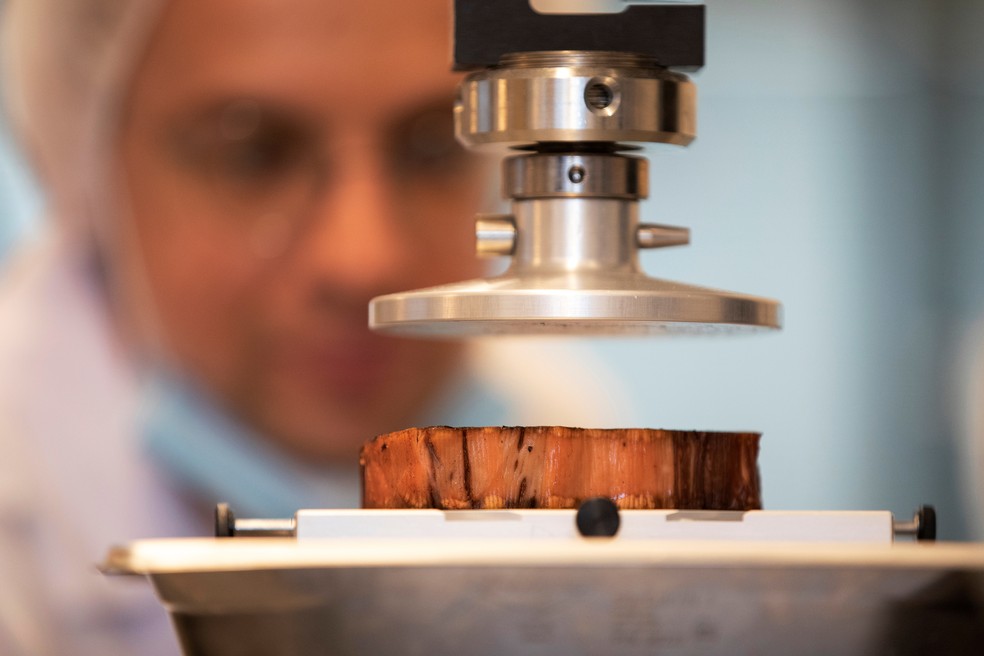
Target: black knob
225 521
598 517
927 524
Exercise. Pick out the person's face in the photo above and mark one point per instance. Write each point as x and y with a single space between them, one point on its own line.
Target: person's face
284 161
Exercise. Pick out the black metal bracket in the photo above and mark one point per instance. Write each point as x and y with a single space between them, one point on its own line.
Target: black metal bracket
485 30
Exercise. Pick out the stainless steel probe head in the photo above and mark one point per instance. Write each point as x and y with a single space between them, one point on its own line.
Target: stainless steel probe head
567 123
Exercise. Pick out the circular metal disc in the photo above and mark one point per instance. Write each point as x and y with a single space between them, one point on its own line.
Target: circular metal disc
623 303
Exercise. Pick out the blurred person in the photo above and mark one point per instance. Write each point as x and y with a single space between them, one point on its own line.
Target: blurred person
228 184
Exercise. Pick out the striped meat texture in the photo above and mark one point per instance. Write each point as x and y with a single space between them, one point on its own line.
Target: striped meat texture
559 467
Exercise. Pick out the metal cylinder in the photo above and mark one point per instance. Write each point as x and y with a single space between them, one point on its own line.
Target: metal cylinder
570 96
583 175
575 234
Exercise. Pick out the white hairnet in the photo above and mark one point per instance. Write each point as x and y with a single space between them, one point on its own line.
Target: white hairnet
65 65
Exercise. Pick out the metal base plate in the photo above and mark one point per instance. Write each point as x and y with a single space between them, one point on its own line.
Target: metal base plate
581 303
276 596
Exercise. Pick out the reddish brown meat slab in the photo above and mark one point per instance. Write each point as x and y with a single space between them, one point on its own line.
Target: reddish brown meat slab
559 467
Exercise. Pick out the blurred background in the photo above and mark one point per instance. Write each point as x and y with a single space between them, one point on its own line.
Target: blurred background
840 169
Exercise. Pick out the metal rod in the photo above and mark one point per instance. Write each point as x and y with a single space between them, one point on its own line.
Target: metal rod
227 526
922 526
280 528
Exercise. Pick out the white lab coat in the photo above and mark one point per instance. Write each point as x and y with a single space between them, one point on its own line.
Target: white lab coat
75 477
72 478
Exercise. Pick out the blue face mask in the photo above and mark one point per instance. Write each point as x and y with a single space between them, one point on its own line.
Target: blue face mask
221 459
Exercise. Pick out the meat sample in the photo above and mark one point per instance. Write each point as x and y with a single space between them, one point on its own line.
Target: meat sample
559 467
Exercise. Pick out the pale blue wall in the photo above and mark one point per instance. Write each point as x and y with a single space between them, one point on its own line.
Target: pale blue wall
839 169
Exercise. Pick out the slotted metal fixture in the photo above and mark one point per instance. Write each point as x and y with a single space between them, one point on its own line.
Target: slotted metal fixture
570 122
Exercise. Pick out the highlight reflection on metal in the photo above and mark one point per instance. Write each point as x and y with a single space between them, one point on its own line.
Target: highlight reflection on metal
628 304
574 232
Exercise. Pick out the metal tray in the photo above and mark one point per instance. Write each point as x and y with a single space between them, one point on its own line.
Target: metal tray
246 596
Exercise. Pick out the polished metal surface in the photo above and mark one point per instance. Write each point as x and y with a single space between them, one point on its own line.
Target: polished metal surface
575 270
654 235
276 528
581 175
574 229
585 596
575 235
571 304
495 234
575 97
